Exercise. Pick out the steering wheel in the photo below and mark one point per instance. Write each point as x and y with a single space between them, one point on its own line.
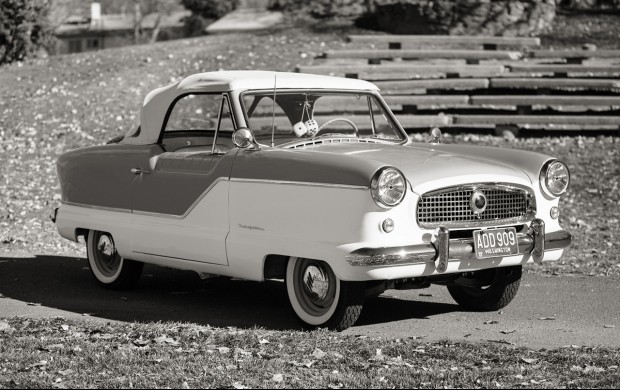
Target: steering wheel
357 132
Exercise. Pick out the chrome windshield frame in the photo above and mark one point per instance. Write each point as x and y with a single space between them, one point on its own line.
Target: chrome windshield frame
369 93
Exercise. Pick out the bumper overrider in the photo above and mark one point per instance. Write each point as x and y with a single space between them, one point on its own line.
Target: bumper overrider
442 249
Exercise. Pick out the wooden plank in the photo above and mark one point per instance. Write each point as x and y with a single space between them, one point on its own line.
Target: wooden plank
538 119
415 86
426 100
574 53
557 83
547 100
536 69
363 121
425 54
446 39
536 126
403 71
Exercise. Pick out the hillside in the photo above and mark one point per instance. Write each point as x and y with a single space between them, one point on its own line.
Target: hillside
53 105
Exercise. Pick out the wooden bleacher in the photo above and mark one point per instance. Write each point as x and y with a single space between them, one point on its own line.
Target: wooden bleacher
498 83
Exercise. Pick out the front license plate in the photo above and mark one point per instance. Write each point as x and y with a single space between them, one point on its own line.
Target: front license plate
496 242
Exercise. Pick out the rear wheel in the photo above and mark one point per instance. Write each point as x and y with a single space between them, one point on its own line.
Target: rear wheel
319 298
108 267
487 290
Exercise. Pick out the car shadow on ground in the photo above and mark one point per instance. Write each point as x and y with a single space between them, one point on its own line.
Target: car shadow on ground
165 294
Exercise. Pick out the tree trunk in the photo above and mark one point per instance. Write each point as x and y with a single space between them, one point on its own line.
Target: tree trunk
156 28
137 20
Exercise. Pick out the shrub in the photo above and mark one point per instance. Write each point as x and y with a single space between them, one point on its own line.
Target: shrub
24 29
591 4
466 17
210 9
321 9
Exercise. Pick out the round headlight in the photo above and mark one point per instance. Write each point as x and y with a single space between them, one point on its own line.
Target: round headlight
554 178
388 187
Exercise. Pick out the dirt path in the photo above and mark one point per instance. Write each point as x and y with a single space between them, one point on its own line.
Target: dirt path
549 312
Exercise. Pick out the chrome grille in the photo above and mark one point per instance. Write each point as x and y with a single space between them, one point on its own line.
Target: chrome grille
450 207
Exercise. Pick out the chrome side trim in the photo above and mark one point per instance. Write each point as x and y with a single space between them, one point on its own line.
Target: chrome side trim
178 258
299 183
102 208
458 249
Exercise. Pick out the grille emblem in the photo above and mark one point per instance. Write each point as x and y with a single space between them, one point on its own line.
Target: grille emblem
478 202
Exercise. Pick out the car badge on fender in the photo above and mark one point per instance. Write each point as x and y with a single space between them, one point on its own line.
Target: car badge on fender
478 202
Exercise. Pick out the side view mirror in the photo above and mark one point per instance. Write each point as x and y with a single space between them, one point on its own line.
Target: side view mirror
435 136
244 139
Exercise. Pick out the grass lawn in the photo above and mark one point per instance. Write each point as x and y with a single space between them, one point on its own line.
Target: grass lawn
64 354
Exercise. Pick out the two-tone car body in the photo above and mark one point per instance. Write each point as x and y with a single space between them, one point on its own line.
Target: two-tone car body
310 179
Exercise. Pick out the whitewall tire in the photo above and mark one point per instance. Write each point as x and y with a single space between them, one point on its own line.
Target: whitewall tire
319 298
108 267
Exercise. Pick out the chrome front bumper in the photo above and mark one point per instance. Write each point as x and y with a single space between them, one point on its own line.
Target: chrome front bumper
442 249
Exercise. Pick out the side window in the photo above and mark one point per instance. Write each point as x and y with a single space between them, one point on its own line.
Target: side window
196 112
199 123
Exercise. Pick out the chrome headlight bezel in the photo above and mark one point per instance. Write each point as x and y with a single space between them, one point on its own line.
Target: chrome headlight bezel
392 178
545 177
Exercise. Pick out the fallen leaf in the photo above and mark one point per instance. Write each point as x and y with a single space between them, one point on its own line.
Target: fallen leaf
42 363
547 318
184 385
264 341
278 378
609 326
308 363
141 342
318 354
4 326
501 342
508 331
65 327
593 369
337 355
53 347
528 360
492 322
223 350
238 385
65 372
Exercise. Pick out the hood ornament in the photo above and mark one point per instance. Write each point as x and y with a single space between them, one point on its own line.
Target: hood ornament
435 136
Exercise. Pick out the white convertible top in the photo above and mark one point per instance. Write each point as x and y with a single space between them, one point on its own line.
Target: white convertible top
157 102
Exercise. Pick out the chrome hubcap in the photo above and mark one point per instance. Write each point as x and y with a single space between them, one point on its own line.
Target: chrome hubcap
105 255
105 246
315 286
316 283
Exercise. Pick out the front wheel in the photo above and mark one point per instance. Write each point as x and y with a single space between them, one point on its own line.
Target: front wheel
488 290
110 269
319 298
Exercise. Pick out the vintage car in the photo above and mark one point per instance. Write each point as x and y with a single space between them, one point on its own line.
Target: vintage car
311 180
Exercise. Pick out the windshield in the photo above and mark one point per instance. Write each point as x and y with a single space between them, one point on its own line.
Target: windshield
301 117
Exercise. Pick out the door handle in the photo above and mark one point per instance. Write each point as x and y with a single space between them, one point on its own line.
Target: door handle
138 171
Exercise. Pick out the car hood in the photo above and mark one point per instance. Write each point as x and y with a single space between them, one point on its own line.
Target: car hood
428 167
